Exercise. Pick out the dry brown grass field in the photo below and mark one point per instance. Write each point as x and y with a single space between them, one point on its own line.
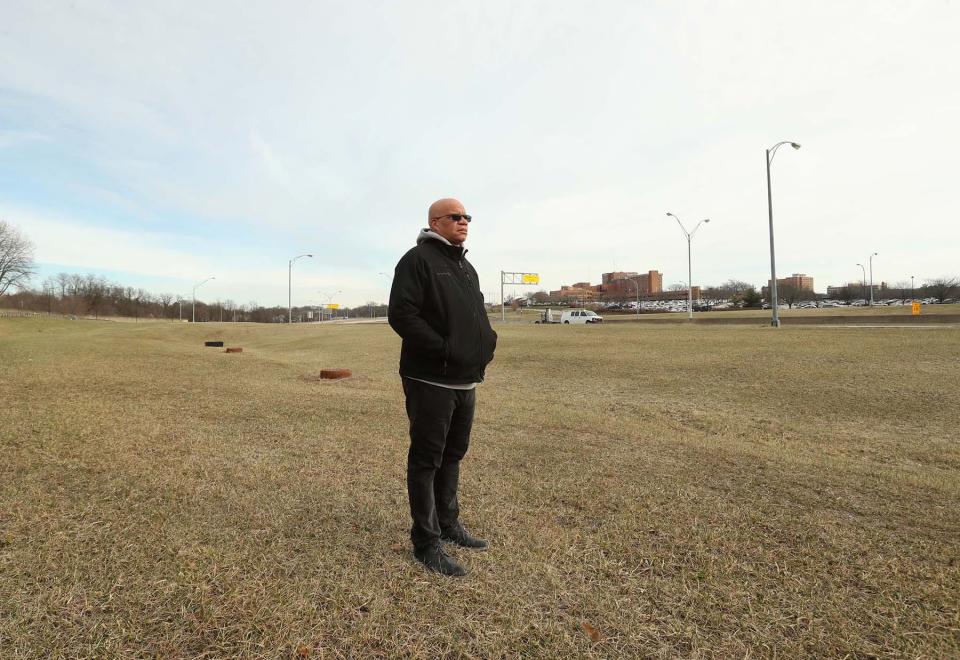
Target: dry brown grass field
648 491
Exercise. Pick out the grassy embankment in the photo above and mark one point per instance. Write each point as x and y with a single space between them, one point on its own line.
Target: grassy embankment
648 491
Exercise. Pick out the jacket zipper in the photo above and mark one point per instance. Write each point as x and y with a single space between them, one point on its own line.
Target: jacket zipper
476 317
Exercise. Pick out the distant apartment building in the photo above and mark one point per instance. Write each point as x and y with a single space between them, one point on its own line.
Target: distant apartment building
855 288
680 294
613 284
798 280
579 291
619 282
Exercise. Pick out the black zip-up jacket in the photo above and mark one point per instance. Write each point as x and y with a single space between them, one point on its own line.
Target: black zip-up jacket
437 308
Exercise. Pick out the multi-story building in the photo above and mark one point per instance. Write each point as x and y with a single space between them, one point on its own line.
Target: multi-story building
613 284
680 294
578 291
856 289
607 278
622 282
799 280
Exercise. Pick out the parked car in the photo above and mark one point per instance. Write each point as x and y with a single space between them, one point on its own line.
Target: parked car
580 316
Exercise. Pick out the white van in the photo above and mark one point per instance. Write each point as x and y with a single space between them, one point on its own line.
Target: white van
580 316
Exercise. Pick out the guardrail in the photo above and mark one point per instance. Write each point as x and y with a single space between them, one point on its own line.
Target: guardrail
42 315
9 315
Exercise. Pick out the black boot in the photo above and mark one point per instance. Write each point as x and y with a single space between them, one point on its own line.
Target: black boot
438 561
460 536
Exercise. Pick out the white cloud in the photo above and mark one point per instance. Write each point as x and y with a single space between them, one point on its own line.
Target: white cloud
10 138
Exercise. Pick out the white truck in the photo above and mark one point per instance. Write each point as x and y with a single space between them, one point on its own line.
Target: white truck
570 316
580 316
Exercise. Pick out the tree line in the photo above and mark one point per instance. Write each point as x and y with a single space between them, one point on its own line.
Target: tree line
90 295
95 296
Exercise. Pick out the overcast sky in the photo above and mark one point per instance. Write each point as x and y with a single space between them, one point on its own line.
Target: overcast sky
159 146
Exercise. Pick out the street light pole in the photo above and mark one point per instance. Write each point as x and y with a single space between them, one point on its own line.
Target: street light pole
290 286
774 304
329 297
912 294
390 277
864 279
637 284
689 235
871 276
195 287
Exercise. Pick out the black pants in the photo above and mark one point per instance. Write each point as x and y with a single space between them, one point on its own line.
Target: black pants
440 423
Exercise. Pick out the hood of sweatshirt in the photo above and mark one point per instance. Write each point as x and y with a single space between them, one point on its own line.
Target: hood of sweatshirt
428 234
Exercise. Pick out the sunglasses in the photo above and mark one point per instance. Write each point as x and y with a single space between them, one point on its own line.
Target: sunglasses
456 217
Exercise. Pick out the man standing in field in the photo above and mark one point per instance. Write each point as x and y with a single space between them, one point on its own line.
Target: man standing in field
437 308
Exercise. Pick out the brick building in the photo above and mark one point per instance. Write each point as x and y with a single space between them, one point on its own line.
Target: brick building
613 285
577 291
680 294
798 280
856 288
622 282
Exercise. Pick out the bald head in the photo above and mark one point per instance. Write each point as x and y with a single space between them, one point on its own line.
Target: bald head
438 217
443 206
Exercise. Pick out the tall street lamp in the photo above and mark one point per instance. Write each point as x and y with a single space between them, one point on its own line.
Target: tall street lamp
871 276
290 286
864 280
389 277
689 235
774 305
912 294
636 283
195 287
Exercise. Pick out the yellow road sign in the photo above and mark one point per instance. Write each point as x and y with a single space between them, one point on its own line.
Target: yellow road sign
332 305
531 278
916 309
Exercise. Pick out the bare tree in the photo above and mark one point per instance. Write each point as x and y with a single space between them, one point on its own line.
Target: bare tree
792 294
902 290
165 300
538 297
845 293
940 288
16 258
63 282
730 290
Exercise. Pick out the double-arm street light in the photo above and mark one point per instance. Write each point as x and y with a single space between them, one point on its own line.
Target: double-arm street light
871 276
774 305
290 286
195 287
689 235
329 297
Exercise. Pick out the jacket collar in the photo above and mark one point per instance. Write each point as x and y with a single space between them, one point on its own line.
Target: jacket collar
427 234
